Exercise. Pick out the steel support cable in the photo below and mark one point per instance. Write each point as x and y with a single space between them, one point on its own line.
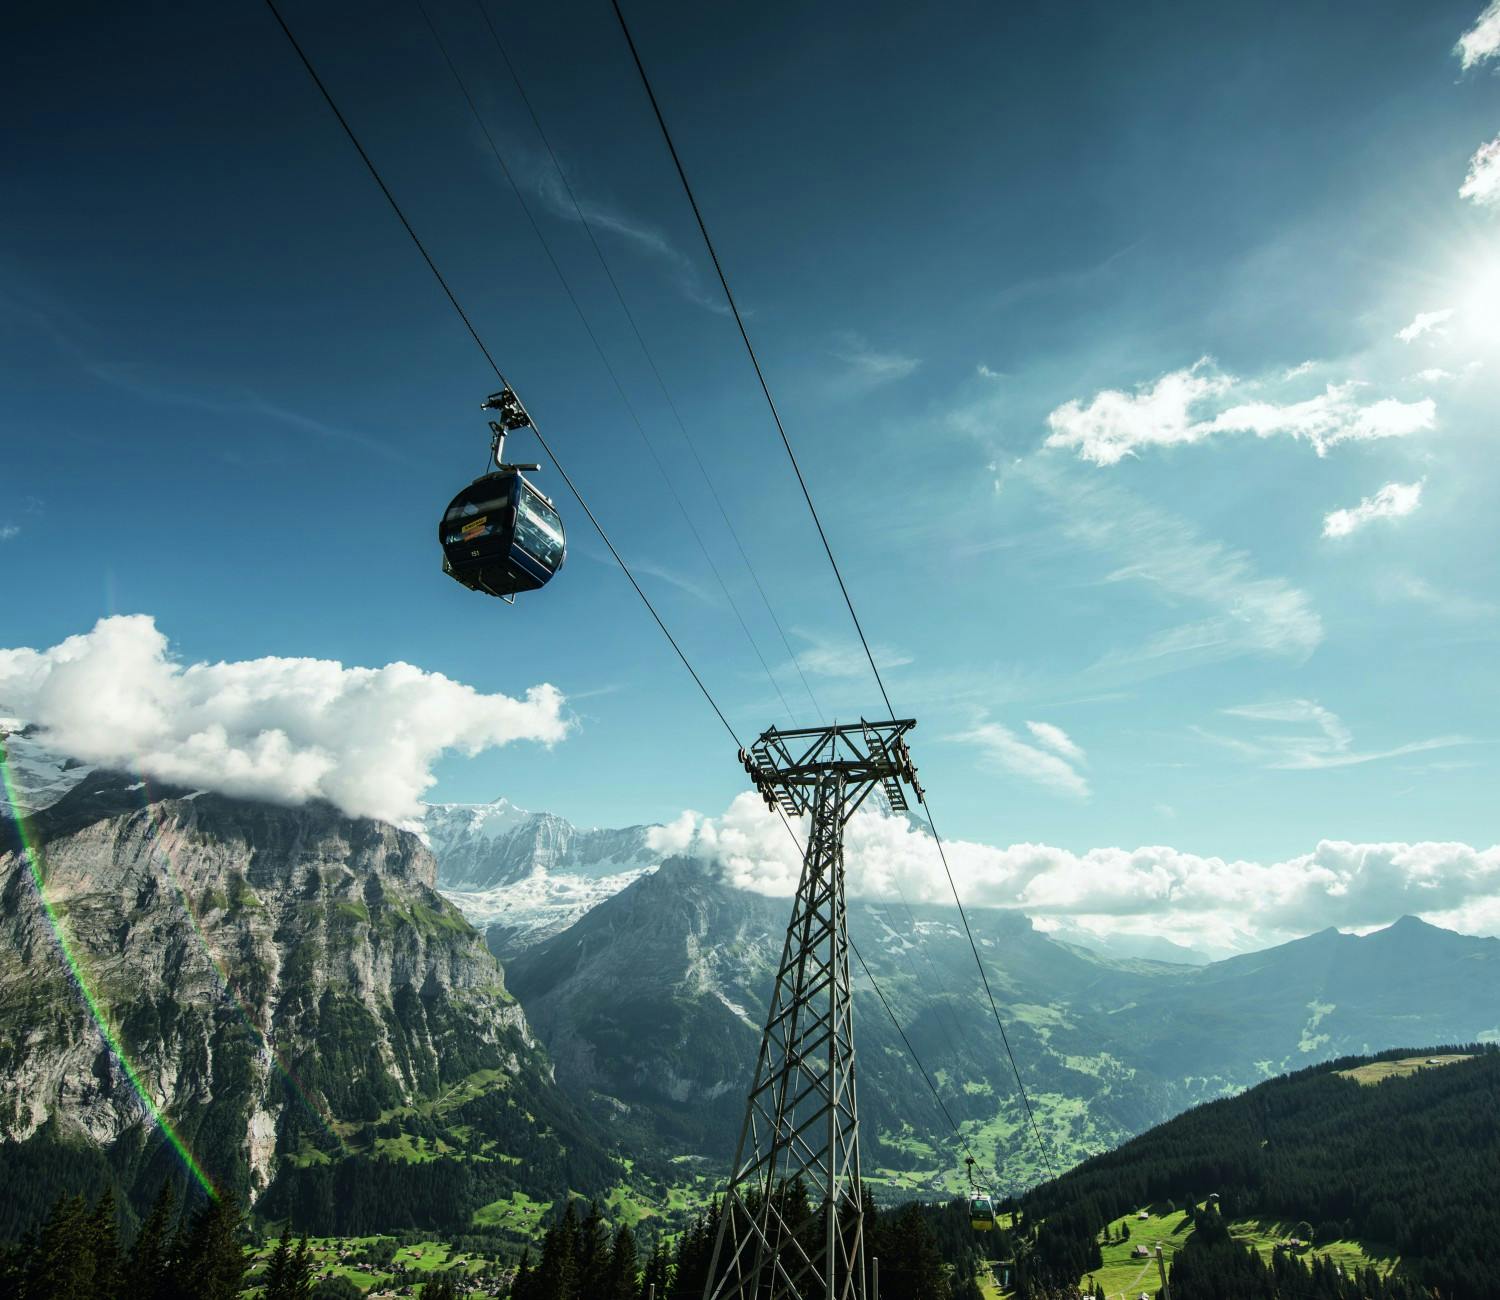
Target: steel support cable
823 536
666 394
765 387
494 365
588 329
546 447
645 350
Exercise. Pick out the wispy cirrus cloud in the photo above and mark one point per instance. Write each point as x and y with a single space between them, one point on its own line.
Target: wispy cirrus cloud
1482 184
1053 762
1482 41
866 367
630 230
1393 501
1057 740
1239 611
1307 737
1194 404
843 657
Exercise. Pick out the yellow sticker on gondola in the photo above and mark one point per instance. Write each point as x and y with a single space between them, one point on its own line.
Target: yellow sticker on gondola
474 527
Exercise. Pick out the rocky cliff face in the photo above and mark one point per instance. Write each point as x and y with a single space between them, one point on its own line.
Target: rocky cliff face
286 984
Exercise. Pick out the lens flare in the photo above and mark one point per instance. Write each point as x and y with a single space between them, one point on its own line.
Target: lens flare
31 851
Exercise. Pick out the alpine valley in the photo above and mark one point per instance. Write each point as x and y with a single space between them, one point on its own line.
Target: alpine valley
365 1028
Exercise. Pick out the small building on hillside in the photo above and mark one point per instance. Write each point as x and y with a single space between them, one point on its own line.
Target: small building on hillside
1140 1252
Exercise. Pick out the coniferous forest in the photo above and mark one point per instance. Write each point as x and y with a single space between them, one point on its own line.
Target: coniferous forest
1408 1166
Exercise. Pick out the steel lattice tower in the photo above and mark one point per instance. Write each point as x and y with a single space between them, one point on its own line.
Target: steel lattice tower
801 1124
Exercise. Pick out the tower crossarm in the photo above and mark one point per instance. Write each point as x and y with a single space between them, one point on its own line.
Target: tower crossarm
787 766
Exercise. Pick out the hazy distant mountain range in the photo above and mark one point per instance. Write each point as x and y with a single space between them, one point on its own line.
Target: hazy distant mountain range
328 1033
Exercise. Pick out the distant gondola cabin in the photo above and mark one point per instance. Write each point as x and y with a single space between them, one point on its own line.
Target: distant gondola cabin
981 1213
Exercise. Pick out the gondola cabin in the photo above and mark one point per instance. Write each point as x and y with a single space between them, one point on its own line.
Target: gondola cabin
981 1213
501 536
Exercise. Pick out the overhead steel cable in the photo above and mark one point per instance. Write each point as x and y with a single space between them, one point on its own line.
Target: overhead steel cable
551 455
718 265
708 481
692 447
739 320
598 347
390 198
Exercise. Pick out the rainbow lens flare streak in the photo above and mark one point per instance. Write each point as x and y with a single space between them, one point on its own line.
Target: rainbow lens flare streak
157 838
34 862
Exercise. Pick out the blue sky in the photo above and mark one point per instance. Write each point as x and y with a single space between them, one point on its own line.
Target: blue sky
236 401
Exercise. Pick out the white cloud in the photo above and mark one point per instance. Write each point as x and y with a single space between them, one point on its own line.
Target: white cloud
1321 741
1235 609
1453 604
868 367
1114 423
1433 375
1057 740
634 233
285 730
1393 501
1220 903
7 531
1482 184
1178 409
844 658
1045 764
1481 41
1425 322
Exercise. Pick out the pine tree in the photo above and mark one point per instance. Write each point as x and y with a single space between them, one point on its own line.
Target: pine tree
592 1256
104 1242
622 1278
62 1263
657 1280
300 1278
147 1270
523 1286
209 1264
278 1269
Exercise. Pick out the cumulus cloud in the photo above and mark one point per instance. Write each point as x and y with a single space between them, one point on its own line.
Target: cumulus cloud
1393 501
1481 41
1425 322
285 730
1482 184
7 531
1052 763
1180 409
1220 903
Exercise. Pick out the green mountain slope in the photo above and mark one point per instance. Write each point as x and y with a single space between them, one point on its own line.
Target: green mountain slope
1403 1160
652 1005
